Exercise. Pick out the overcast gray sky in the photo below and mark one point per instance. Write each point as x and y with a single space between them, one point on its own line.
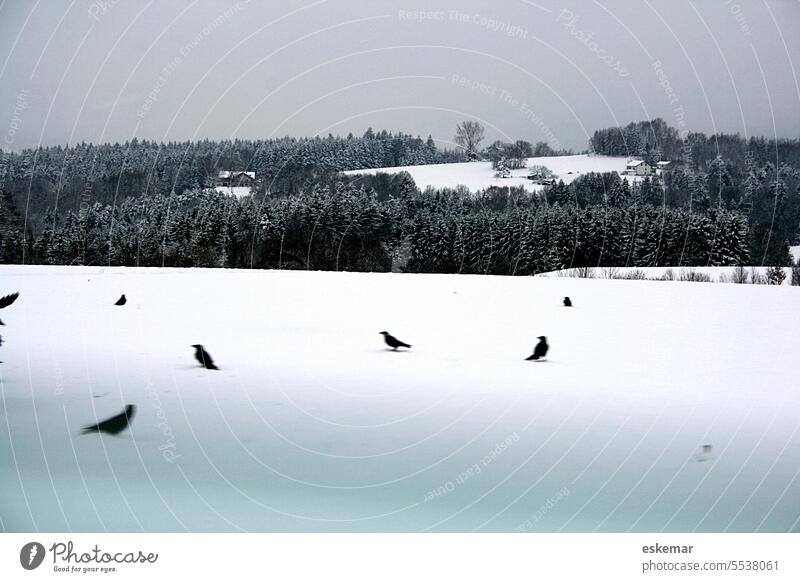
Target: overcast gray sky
109 70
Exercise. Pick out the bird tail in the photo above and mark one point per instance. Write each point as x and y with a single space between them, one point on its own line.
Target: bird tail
532 357
404 345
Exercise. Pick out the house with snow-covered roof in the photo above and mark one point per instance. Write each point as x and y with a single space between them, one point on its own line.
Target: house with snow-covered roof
642 168
236 178
638 168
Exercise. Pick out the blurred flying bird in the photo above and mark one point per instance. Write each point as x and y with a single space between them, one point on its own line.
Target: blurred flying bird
392 341
8 300
115 424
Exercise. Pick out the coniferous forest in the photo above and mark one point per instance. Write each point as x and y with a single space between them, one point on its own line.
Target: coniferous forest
726 201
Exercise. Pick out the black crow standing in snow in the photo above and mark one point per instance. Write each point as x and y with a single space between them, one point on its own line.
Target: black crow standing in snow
121 300
8 299
392 341
567 302
202 356
115 424
540 350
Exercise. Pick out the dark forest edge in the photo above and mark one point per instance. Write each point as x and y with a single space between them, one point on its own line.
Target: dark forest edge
726 202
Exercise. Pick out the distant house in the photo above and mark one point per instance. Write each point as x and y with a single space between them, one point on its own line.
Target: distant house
233 178
642 168
541 175
638 168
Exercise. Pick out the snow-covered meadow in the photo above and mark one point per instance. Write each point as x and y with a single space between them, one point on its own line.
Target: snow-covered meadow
312 425
480 175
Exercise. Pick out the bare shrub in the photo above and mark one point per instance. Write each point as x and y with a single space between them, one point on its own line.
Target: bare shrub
757 278
635 275
611 273
694 276
668 275
740 276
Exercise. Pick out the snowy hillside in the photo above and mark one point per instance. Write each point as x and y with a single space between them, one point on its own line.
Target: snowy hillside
480 175
310 424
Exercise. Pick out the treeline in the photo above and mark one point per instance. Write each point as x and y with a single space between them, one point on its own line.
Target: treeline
82 175
770 203
350 226
150 204
759 177
531 241
345 229
655 140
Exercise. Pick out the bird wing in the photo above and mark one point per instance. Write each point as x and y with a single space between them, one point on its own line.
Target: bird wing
91 428
8 299
110 424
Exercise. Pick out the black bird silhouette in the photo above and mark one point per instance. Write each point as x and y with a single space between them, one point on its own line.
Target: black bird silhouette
121 300
540 350
567 302
202 356
8 299
392 341
115 424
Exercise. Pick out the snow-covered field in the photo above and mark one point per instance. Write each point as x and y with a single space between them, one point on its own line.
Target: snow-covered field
312 425
480 175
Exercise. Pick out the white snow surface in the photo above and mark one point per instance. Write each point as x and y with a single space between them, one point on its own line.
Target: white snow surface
480 175
795 252
311 424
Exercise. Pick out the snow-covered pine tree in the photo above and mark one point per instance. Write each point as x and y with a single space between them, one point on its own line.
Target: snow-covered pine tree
502 169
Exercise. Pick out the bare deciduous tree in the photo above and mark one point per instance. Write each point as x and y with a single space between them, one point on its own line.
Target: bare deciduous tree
468 135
